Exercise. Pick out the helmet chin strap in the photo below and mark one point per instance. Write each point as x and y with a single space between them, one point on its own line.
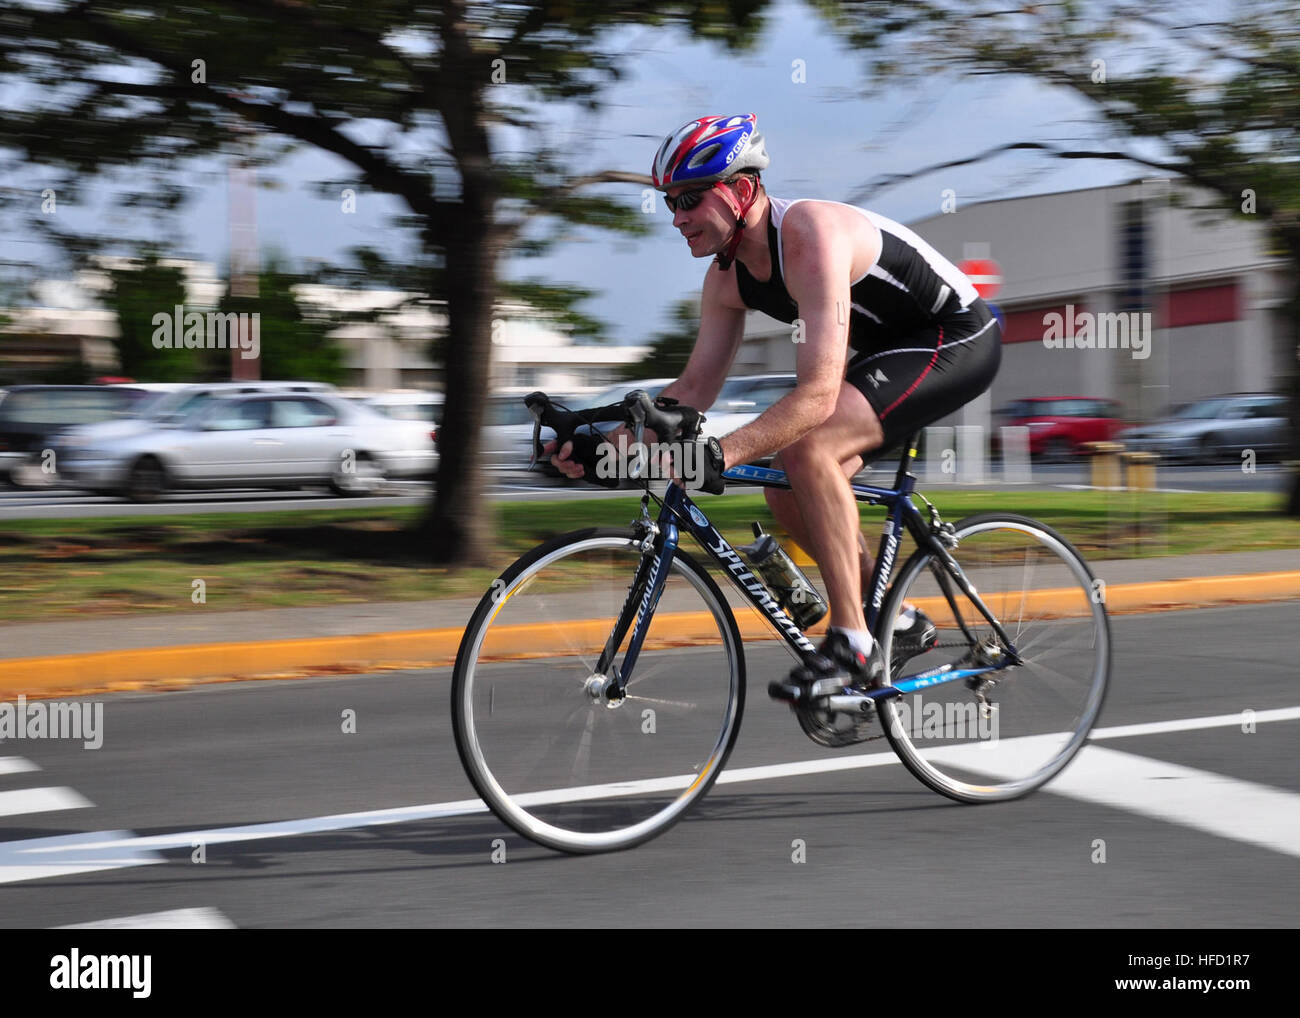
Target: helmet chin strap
725 257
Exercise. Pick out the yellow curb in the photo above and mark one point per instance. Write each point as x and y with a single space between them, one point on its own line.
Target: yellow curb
161 668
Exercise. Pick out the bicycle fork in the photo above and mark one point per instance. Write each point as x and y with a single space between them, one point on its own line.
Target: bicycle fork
609 683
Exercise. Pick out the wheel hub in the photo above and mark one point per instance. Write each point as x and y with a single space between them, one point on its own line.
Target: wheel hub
599 687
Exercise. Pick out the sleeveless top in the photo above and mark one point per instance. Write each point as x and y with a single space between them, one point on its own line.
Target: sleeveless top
909 287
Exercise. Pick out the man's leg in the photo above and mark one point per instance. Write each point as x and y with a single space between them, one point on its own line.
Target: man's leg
785 509
827 522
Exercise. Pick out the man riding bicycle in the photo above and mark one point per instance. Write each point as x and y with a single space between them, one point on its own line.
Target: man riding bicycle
890 336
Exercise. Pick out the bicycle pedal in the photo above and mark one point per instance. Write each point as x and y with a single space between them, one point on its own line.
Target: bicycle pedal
786 691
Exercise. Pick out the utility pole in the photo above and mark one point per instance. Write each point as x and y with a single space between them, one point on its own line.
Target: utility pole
244 261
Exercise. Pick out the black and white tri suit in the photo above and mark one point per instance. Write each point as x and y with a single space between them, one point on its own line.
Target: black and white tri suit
923 342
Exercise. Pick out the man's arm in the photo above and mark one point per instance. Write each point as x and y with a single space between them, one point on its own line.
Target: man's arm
818 266
722 327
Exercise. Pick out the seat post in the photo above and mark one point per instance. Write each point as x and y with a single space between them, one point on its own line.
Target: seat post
905 457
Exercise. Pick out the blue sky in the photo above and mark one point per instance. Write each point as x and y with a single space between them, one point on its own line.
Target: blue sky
825 137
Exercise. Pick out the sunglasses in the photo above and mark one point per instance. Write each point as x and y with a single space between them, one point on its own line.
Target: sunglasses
687 200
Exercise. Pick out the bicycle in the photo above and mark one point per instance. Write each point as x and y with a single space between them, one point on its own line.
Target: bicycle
584 751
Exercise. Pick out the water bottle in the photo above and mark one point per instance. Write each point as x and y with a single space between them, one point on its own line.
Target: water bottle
793 592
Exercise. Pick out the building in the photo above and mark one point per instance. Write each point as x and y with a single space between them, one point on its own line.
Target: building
387 345
1104 258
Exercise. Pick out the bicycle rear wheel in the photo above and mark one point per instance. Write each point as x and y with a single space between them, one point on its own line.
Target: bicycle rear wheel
550 755
1042 593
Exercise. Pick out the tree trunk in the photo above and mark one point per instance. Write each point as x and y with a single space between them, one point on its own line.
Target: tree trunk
1292 455
457 530
1290 235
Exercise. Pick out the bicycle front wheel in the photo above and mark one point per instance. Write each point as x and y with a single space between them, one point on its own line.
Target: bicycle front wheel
1001 733
548 751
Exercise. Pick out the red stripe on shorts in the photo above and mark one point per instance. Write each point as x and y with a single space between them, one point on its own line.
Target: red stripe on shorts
919 378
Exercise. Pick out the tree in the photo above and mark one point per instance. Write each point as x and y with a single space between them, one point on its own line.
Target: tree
136 294
454 87
1212 99
294 341
670 350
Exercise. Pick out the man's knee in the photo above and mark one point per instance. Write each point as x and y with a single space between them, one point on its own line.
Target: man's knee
804 455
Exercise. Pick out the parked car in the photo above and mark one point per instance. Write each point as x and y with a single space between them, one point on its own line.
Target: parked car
742 399
408 406
411 406
257 440
1216 427
163 404
1060 425
34 417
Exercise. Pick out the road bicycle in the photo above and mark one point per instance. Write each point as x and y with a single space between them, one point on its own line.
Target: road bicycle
599 685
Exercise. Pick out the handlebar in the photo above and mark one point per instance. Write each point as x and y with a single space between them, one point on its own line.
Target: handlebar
669 420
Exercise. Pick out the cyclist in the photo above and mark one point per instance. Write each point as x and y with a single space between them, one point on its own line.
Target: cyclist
890 337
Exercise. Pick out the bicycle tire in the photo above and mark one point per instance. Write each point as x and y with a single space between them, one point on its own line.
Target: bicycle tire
1050 709
560 767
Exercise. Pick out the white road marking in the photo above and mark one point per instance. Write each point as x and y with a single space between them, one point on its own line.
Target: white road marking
16 765
40 800
67 854
177 919
1190 724
1195 806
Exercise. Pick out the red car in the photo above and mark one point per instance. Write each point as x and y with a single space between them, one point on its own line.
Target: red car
1059 425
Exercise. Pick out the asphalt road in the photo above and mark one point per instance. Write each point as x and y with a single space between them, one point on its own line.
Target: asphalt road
1219 848
67 504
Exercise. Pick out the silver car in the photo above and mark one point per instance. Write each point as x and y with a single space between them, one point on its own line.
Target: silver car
1214 428
743 398
256 440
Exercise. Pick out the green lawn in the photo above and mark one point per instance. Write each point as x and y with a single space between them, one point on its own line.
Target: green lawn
59 568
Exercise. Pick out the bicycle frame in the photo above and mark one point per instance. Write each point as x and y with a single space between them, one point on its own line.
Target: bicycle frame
677 510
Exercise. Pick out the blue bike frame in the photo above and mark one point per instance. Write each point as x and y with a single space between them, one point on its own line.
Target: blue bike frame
678 510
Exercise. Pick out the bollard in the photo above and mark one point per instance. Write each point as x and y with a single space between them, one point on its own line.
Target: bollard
1015 456
939 452
1105 463
972 454
1140 470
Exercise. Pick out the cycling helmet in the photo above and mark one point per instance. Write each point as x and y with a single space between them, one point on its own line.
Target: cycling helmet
708 149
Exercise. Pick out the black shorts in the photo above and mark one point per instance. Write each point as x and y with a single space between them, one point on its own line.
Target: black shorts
930 373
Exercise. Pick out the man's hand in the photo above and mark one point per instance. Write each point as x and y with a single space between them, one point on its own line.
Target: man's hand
713 463
560 460
622 438
583 457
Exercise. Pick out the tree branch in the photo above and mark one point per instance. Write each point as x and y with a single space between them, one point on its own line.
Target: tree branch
1182 169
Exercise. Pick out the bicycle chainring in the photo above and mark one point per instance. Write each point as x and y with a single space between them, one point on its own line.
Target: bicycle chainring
835 729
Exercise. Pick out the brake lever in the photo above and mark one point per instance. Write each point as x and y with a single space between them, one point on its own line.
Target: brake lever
536 403
635 402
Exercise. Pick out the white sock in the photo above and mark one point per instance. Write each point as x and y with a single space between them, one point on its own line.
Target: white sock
859 639
905 619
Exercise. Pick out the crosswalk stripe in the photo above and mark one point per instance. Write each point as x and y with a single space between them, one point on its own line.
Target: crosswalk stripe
16 765
40 800
1227 807
176 919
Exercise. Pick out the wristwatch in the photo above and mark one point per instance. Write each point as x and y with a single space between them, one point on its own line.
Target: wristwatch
715 464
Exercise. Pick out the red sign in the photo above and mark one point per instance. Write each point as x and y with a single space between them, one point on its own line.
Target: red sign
985 273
